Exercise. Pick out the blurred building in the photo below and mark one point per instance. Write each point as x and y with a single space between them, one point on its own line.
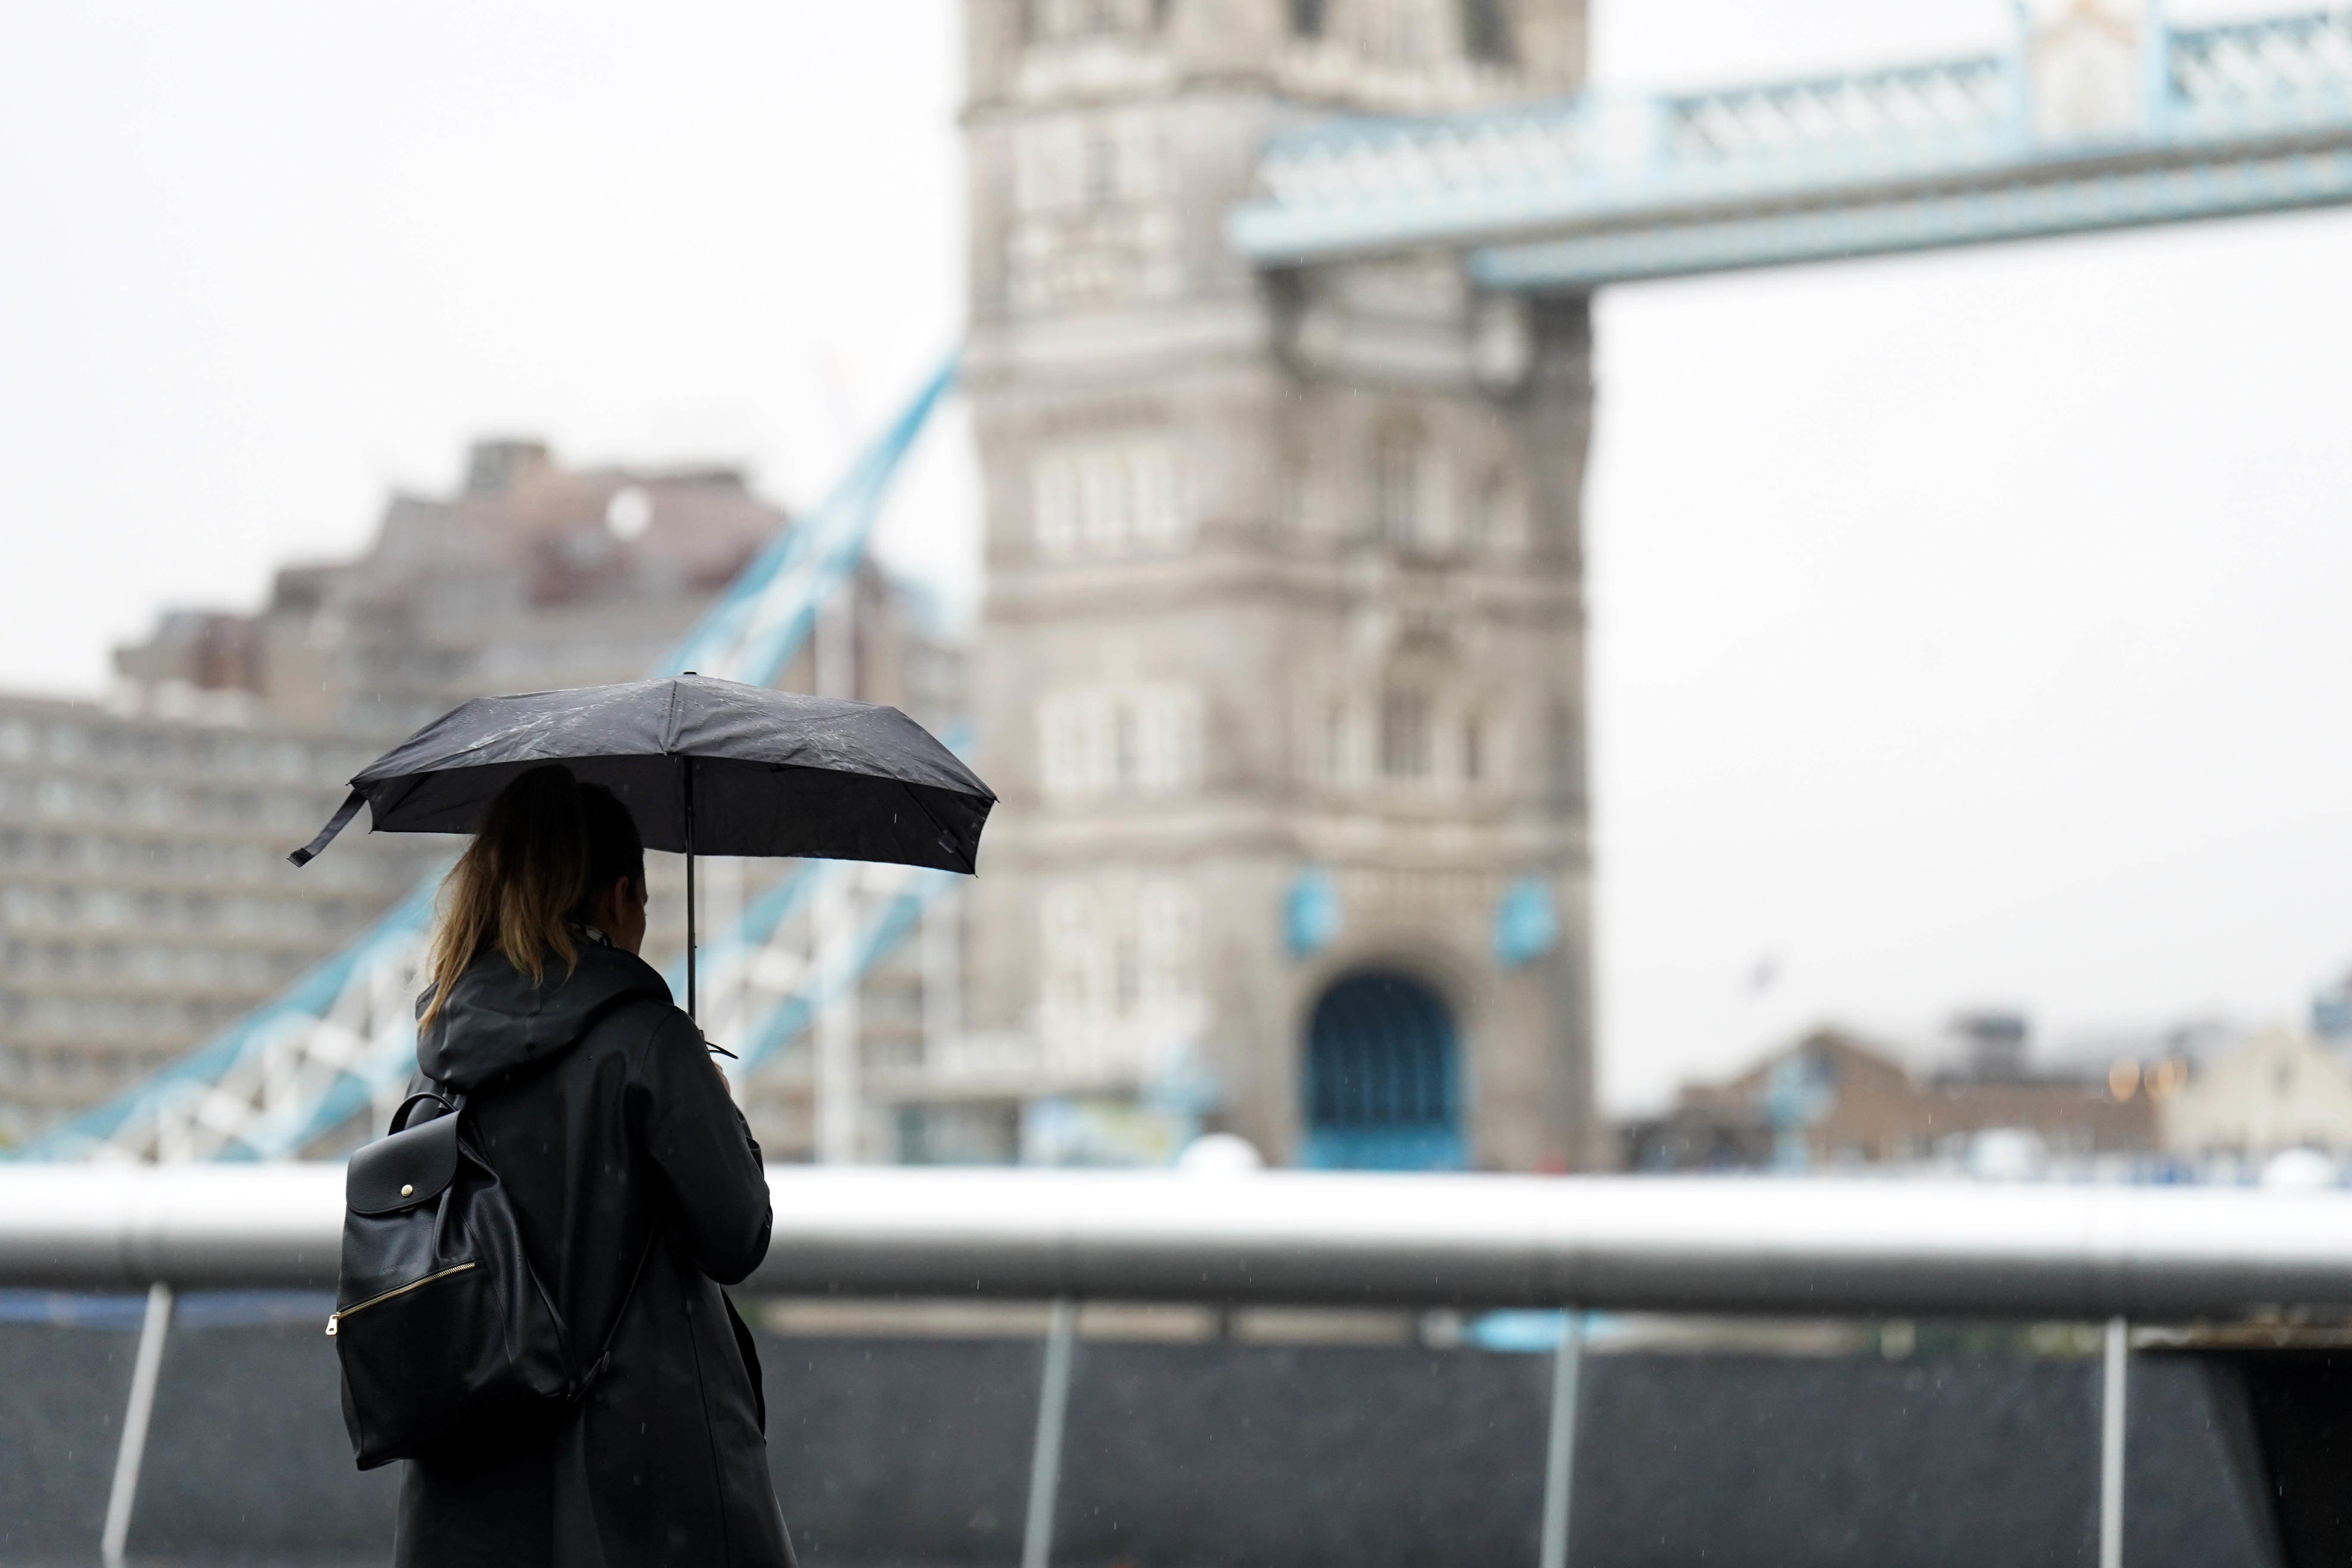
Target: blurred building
1831 1099
1992 1046
1281 674
532 575
2331 1011
145 901
2282 1089
144 897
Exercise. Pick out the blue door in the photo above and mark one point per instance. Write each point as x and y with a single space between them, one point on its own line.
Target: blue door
1382 1089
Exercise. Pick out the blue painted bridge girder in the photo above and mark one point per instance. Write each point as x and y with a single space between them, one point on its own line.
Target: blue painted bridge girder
2063 133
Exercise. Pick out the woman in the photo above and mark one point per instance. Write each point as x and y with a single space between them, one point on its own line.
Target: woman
638 1190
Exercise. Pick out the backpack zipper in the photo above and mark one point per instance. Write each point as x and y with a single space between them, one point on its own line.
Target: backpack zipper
335 1318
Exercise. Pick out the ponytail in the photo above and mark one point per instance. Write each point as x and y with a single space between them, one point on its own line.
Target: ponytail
517 886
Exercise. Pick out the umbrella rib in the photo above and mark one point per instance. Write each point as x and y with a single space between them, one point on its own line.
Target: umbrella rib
937 826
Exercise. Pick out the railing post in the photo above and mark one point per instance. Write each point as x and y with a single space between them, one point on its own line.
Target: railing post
1045 1457
145 1370
1559 1452
2115 1368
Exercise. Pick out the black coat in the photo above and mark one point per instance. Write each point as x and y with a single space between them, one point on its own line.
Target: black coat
597 1105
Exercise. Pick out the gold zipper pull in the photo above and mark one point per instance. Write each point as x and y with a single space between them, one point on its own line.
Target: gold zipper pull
331 1318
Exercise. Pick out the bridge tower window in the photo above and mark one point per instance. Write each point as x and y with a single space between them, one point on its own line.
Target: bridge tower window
1403 32
1486 32
1499 521
1291 478
1120 740
1098 167
1563 755
1382 1089
1050 19
1404 733
1396 486
1121 970
1111 497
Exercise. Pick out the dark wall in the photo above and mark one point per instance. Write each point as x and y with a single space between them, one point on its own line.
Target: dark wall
62 1394
915 1452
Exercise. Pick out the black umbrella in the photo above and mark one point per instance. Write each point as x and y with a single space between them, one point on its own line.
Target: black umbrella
705 766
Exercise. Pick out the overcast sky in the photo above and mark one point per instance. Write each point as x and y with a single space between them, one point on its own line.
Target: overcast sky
1968 628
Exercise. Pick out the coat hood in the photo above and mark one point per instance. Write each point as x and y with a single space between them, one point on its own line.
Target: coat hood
497 1024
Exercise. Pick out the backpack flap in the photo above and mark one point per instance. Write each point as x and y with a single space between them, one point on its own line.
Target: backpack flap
402 1170
440 1326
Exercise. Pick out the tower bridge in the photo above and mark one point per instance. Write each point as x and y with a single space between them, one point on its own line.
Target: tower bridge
1282 400
2097 120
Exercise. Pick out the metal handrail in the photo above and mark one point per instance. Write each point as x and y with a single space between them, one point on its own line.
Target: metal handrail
1783 1246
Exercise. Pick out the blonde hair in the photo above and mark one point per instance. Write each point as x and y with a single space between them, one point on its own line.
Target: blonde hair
518 886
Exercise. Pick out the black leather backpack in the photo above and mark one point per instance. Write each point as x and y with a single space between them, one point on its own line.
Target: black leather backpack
440 1324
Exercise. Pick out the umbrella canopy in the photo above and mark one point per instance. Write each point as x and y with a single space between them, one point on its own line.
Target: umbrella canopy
705 766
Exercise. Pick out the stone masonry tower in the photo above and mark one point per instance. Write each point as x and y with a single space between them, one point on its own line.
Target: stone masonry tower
1281 674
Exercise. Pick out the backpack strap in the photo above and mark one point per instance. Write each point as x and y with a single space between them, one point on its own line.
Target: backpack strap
605 1351
454 1102
400 1117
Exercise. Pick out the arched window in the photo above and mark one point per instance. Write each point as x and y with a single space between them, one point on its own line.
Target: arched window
1380 1091
1307 18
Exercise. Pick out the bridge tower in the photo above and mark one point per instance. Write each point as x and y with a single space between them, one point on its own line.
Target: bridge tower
1281 671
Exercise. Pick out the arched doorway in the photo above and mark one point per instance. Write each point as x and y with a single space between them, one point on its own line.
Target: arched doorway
1382 1090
